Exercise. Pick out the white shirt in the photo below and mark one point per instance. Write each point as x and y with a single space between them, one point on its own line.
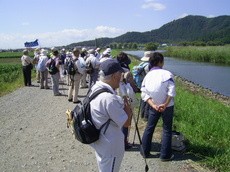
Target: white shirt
108 106
95 62
45 58
158 84
78 64
98 55
26 60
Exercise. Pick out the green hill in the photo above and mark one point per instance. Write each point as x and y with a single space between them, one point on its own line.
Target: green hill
190 28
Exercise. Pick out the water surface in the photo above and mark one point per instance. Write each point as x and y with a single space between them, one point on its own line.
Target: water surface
214 77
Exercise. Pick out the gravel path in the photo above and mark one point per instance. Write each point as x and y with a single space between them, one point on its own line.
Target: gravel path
34 137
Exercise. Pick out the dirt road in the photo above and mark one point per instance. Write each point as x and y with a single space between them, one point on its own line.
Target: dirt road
34 137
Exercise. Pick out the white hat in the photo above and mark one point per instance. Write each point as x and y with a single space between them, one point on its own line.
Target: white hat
106 53
44 52
68 54
91 51
108 50
146 56
83 49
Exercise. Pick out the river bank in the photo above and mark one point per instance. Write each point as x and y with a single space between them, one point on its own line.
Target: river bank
198 89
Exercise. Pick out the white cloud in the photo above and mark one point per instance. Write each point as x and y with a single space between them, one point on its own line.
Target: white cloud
152 4
59 38
149 0
182 16
211 16
25 24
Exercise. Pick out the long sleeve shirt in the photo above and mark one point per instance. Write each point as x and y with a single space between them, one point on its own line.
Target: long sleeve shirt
158 84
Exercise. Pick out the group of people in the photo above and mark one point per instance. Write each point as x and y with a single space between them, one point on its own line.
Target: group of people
157 90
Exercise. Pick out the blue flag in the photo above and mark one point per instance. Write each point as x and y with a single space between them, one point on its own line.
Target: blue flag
31 44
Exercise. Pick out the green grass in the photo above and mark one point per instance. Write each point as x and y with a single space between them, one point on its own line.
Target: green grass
14 54
205 124
212 54
11 76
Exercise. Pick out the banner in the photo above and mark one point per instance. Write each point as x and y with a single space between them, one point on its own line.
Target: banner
31 44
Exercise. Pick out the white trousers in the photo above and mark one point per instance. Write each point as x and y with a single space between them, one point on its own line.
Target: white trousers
108 164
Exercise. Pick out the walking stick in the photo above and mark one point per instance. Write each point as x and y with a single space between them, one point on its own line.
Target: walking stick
139 109
139 136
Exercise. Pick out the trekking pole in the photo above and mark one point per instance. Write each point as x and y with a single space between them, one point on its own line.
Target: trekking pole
139 109
141 146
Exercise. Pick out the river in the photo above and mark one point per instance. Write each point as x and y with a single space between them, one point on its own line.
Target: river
214 77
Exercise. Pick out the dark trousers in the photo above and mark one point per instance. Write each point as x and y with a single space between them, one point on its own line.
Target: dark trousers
27 75
125 131
93 78
154 116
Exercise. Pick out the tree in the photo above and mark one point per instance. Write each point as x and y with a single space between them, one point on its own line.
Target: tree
111 45
115 45
125 45
151 46
119 46
130 45
134 45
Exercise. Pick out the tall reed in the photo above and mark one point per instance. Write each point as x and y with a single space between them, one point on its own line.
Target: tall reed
213 54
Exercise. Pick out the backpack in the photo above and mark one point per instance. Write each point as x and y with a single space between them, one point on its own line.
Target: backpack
52 68
70 67
41 65
177 141
81 123
89 67
139 73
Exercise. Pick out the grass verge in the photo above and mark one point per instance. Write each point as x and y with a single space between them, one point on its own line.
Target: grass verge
213 54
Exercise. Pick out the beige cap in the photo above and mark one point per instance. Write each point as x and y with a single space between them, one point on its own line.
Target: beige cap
146 56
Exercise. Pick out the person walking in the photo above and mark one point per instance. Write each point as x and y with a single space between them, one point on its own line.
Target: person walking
158 90
36 59
82 59
109 149
146 67
27 66
43 70
54 63
98 53
75 79
67 60
95 64
62 61
128 85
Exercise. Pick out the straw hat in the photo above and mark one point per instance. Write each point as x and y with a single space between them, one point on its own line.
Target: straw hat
37 50
146 56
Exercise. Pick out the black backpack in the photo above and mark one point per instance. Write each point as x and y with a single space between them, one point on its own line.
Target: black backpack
89 67
52 68
81 122
70 67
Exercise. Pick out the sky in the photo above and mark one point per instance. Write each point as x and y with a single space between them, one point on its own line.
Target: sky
62 22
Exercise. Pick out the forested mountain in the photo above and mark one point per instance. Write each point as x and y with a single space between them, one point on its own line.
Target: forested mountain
190 28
